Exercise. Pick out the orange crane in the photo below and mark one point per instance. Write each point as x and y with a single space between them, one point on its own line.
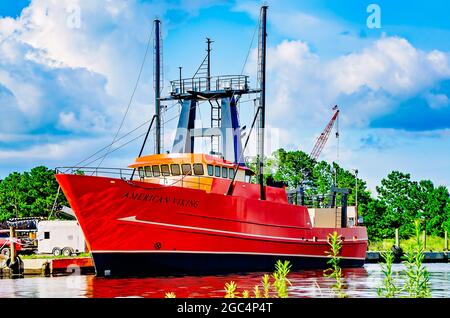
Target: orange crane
322 139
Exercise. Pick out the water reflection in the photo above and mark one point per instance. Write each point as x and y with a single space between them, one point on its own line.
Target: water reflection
361 282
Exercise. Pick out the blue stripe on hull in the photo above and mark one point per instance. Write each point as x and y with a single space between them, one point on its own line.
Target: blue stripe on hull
157 264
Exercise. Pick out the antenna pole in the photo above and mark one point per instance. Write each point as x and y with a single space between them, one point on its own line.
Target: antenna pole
208 70
262 101
157 87
181 85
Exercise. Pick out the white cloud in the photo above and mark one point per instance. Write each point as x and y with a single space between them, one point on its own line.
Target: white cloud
302 88
55 151
56 77
437 101
391 64
366 84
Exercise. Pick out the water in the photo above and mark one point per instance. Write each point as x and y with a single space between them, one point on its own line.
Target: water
362 282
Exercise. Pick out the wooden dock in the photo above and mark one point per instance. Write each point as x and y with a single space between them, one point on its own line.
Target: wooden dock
49 266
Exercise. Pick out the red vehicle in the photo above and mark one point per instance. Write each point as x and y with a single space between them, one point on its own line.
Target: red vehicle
193 213
5 244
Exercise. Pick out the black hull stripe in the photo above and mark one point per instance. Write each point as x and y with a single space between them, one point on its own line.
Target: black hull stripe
212 253
161 264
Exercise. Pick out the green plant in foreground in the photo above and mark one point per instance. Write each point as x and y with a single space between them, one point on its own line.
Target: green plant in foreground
282 269
335 271
417 284
256 292
230 289
280 284
388 290
418 279
266 285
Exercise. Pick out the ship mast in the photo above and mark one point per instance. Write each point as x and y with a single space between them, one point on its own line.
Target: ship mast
262 99
157 86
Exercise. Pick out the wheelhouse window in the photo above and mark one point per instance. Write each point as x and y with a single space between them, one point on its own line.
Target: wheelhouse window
230 173
165 170
210 170
175 169
186 169
224 172
217 171
156 171
141 172
148 172
198 169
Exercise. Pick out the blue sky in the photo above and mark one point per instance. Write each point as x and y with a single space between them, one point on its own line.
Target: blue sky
67 69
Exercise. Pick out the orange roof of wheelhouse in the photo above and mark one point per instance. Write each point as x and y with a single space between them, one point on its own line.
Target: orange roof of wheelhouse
179 158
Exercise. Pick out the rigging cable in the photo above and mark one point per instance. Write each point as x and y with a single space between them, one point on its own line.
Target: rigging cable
131 97
143 134
117 140
250 48
230 187
128 142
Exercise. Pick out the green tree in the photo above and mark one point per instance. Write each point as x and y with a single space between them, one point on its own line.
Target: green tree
375 219
29 194
430 204
294 167
397 191
399 202
12 196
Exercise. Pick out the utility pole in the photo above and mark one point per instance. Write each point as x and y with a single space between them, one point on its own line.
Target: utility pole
356 195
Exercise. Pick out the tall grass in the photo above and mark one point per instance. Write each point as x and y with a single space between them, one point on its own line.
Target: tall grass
415 276
434 243
335 271
389 288
418 279
277 288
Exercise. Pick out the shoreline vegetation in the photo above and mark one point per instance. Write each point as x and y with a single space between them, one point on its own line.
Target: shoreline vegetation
433 244
398 200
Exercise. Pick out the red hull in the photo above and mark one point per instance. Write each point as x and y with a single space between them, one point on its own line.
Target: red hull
174 228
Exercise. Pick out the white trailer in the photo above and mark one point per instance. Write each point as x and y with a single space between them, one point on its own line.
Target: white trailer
60 237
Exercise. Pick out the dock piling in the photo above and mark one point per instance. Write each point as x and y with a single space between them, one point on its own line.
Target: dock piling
12 248
397 240
446 241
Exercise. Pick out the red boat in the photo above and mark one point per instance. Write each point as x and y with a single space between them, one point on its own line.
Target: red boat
191 213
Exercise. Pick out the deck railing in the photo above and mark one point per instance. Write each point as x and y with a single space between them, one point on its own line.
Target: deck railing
215 83
194 181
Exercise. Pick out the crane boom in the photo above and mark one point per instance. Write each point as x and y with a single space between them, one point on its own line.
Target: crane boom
322 139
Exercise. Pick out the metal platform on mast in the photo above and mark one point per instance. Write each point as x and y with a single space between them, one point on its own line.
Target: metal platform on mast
217 87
